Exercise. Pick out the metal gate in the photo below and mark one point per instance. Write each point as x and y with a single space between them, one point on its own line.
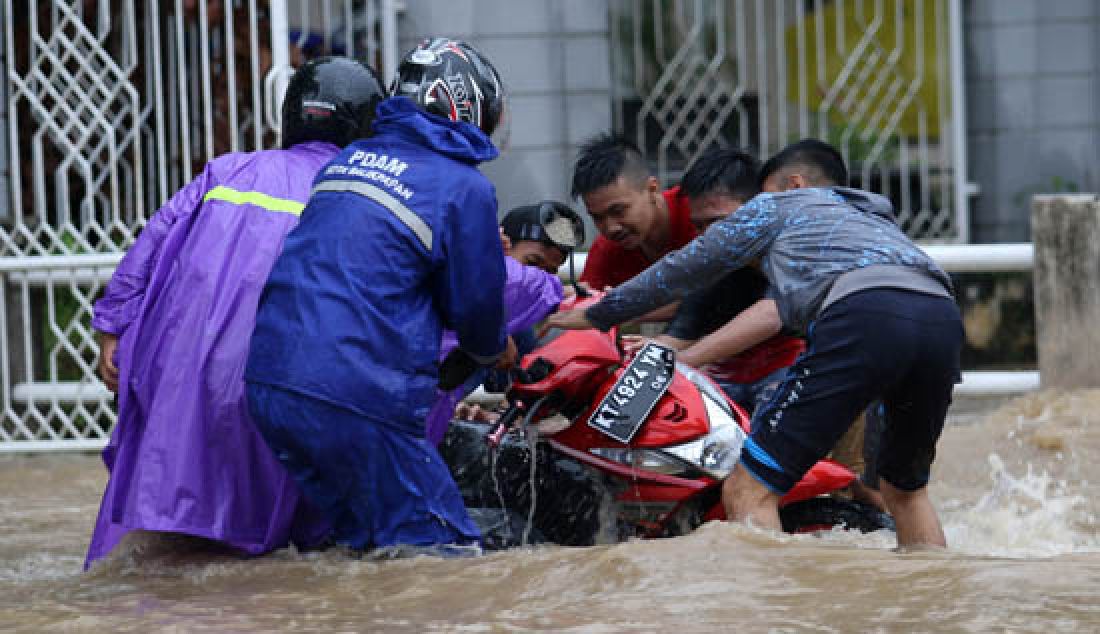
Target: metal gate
109 107
880 79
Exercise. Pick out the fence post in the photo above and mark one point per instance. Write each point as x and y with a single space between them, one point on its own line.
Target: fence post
1065 230
279 75
958 122
11 318
6 211
389 41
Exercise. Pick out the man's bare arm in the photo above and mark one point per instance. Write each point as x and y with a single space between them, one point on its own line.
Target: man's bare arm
664 313
752 326
634 343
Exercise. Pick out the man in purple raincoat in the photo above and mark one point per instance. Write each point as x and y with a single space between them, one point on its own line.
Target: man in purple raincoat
174 326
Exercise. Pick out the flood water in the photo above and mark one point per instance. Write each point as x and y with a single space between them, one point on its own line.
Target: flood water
1015 483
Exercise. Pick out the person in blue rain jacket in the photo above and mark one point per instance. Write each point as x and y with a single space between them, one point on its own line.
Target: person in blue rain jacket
397 242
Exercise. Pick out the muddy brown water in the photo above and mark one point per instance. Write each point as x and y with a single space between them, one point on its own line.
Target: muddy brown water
1015 484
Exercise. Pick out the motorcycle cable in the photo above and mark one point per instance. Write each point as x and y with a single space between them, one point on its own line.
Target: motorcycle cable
496 436
532 438
504 423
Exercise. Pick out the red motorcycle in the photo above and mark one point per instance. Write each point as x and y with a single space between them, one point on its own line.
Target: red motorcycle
630 446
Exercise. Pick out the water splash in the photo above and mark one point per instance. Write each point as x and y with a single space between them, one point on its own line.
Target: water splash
531 435
1025 516
494 452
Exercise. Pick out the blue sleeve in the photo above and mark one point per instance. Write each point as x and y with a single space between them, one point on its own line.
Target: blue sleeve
471 287
725 247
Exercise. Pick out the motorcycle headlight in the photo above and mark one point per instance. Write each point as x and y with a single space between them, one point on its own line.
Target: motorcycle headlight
644 459
716 453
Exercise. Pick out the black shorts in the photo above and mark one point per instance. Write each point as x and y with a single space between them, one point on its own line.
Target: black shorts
898 346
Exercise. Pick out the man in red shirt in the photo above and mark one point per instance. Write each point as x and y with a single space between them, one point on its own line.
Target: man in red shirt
638 223
733 329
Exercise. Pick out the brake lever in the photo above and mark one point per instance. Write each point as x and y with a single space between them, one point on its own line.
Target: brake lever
506 421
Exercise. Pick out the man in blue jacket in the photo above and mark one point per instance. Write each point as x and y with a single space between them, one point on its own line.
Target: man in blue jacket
398 242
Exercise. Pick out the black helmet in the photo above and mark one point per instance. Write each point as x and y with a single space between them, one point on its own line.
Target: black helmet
549 222
331 99
452 79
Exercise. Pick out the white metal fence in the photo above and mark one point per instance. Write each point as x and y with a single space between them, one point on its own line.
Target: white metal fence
110 107
881 79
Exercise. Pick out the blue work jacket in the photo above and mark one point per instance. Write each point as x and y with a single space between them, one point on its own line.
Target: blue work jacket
398 241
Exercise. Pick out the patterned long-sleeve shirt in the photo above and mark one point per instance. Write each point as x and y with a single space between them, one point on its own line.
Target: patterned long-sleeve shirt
805 239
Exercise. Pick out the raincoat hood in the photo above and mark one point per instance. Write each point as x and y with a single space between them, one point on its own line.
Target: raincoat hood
456 140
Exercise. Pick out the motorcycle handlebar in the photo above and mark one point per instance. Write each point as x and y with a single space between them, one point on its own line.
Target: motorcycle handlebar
506 421
458 366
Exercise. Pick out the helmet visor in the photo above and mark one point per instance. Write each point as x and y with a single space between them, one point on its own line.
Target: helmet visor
557 225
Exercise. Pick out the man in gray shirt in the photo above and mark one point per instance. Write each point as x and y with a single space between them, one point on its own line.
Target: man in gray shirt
878 316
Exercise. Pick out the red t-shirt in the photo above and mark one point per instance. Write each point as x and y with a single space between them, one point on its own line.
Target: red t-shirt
608 264
759 361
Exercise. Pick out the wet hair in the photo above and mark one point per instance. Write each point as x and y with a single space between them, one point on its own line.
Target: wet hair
825 166
723 172
605 158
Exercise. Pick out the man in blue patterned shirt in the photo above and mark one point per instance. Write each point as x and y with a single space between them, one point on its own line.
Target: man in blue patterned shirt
879 320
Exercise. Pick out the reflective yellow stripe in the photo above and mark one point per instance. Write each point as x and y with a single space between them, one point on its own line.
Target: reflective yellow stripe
259 199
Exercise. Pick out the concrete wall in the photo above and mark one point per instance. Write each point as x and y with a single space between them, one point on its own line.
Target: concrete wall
554 58
1033 97
1067 288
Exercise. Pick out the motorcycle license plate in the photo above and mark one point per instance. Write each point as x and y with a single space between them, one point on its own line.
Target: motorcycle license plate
635 393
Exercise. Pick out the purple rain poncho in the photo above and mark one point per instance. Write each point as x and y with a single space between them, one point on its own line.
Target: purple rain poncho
185 457
530 294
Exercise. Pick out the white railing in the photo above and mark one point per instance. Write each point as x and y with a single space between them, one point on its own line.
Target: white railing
953 258
956 258
81 411
109 109
983 258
